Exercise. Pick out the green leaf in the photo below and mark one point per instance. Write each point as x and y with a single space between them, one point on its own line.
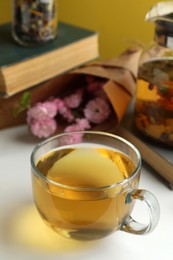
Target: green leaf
24 104
25 99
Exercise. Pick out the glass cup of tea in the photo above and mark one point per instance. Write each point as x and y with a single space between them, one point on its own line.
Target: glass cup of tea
85 185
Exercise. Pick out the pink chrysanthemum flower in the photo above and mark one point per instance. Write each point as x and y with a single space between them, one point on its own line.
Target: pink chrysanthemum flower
72 138
83 123
101 94
59 103
67 114
41 110
74 100
50 108
93 86
97 110
72 128
43 128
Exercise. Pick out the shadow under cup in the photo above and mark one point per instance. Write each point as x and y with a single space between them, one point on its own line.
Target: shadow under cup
89 206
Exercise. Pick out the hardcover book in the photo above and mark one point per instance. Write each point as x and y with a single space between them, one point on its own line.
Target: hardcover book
24 67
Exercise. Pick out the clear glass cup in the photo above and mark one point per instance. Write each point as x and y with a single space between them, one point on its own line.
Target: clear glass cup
34 22
85 185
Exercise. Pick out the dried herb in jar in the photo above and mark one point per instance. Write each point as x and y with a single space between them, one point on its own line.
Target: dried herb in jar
34 21
154 100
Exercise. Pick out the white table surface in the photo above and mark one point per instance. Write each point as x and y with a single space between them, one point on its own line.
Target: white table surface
24 236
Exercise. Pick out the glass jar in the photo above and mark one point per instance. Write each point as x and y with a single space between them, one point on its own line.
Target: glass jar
34 21
154 96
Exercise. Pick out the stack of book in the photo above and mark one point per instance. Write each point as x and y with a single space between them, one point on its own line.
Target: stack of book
39 69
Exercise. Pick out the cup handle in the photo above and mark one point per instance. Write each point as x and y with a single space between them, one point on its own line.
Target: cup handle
130 225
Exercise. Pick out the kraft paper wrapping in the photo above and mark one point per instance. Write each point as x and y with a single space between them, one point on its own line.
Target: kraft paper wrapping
121 73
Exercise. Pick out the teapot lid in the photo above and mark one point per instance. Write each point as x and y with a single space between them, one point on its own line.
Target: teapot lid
160 11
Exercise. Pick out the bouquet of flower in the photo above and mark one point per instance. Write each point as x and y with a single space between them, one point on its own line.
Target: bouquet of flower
95 96
80 109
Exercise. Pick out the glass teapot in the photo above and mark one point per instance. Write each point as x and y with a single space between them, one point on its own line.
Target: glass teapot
154 96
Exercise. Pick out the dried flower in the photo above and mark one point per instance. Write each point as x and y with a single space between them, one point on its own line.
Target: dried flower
59 103
83 123
94 84
80 125
41 111
44 127
74 100
67 114
73 138
97 110
80 110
